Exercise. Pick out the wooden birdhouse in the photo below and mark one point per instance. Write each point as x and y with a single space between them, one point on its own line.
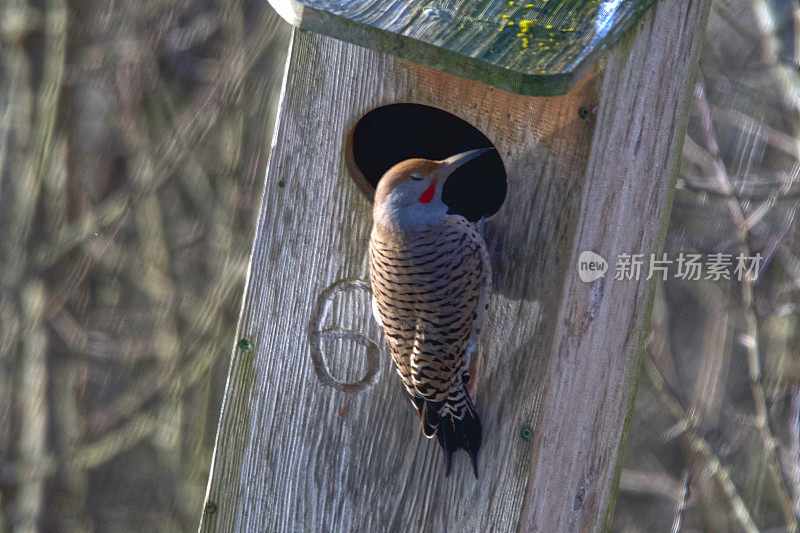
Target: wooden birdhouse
586 103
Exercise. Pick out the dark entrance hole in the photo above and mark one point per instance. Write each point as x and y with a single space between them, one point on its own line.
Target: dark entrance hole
390 134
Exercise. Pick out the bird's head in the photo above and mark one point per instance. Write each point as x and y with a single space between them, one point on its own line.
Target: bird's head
409 195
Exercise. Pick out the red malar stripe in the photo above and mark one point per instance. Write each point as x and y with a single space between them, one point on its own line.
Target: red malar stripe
427 195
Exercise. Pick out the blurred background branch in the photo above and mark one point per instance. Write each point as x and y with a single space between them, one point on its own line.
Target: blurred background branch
133 142
717 404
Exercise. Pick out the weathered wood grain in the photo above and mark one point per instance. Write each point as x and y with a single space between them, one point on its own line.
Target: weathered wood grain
532 47
305 443
286 458
603 324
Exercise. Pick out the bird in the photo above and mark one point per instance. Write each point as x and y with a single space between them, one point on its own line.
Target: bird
431 280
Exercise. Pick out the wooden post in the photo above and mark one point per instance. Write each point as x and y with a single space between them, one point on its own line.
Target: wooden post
315 432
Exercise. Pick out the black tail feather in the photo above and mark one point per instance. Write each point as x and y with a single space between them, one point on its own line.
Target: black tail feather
451 432
465 433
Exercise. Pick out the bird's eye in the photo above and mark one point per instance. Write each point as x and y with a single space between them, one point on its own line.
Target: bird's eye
416 176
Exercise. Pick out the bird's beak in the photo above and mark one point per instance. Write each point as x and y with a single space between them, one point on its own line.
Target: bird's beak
453 162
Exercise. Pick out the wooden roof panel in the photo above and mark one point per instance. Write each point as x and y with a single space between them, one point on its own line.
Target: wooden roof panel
535 47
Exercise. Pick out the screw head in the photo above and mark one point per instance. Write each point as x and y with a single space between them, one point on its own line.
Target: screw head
245 345
526 433
210 507
583 112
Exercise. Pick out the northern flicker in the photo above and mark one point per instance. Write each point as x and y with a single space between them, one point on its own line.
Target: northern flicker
431 281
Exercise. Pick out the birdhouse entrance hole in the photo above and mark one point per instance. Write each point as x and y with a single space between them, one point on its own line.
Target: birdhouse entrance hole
393 133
